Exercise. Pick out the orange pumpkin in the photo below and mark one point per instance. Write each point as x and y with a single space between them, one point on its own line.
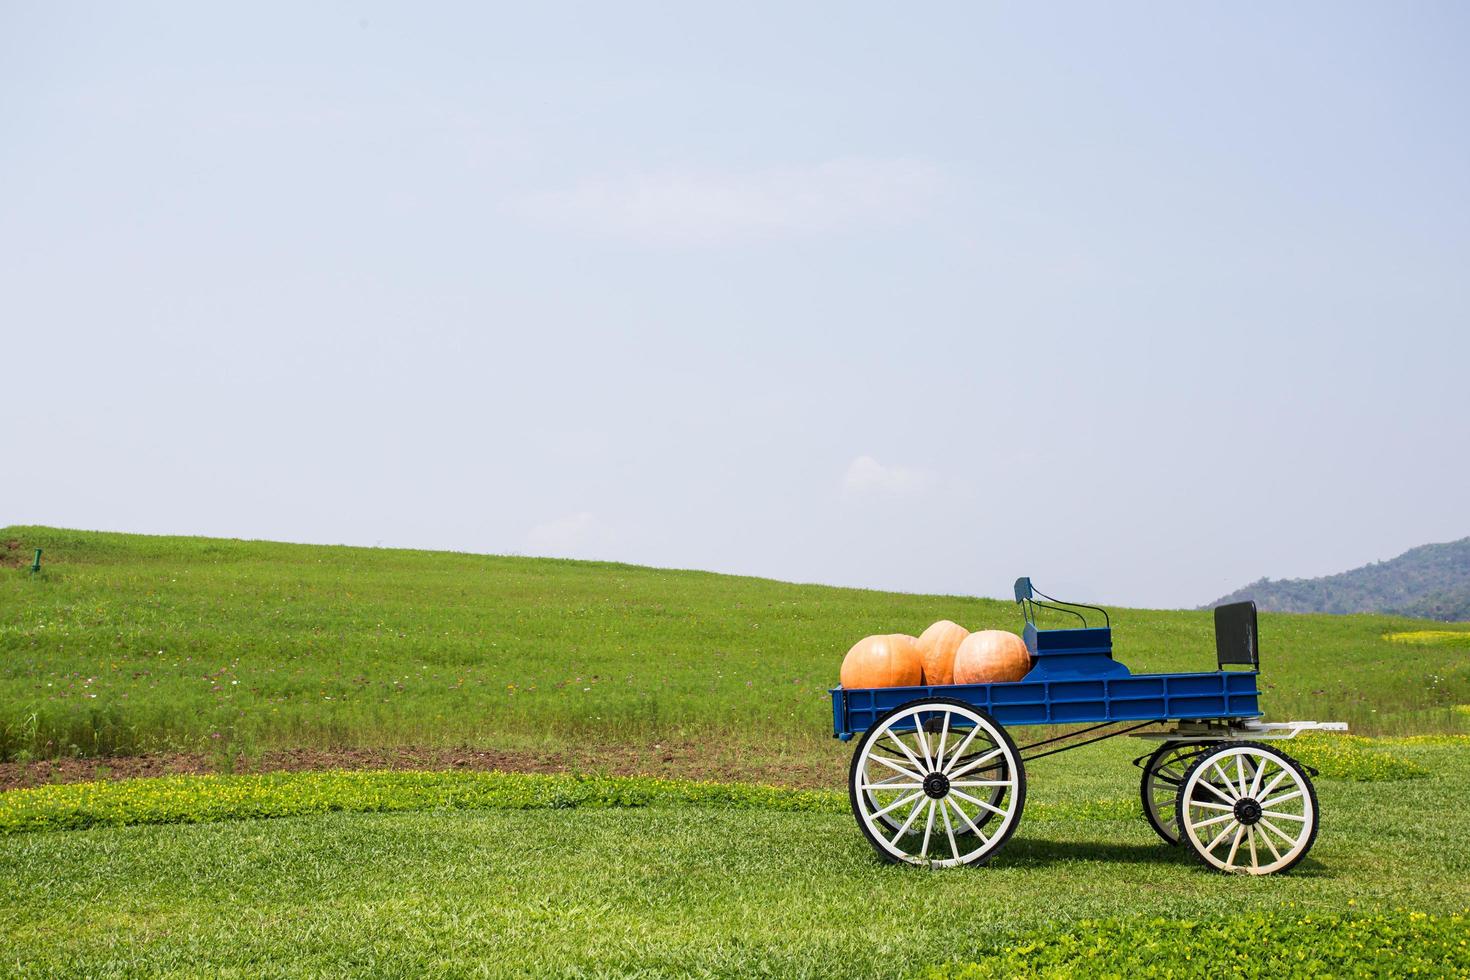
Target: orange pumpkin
937 646
988 656
883 661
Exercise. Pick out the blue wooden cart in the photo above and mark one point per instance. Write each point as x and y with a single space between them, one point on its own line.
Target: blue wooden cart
937 780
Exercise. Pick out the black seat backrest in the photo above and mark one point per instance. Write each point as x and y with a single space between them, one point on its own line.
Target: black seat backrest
1236 635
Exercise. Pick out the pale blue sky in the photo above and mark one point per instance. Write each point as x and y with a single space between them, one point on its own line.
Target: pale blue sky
1145 301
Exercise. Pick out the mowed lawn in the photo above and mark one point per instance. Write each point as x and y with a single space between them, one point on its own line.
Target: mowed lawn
684 890
126 644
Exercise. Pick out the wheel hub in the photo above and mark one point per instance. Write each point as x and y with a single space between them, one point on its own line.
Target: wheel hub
936 785
1247 811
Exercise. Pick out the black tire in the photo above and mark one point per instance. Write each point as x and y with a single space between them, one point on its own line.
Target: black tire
1011 761
1307 793
1180 755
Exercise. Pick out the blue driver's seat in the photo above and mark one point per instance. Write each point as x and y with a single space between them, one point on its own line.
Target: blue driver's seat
1072 654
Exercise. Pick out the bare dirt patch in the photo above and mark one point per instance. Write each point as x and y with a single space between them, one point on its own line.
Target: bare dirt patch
13 554
691 761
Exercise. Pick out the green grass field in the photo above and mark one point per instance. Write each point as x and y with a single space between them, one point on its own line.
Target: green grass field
128 644
622 877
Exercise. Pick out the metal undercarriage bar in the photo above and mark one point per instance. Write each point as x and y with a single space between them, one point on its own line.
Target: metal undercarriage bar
1252 729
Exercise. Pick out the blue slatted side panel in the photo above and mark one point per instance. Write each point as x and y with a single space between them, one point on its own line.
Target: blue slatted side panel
1141 697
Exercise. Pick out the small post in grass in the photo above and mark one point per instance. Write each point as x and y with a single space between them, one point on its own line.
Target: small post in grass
36 565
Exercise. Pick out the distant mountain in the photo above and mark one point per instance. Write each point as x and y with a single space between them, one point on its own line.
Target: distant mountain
1428 582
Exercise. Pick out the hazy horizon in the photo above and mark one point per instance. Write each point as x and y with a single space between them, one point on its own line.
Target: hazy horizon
1147 303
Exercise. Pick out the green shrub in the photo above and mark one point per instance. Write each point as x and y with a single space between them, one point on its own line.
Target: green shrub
206 799
1431 638
1351 757
1453 741
1253 944
203 799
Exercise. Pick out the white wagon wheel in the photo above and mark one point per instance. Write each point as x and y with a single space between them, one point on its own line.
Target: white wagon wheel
1247 808
1163 775
930 797
995 770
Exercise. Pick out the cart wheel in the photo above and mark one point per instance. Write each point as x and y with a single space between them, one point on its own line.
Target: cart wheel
996 770
1163 774
928 778
1247 808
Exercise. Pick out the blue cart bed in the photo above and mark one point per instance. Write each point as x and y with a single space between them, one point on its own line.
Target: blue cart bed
1136 697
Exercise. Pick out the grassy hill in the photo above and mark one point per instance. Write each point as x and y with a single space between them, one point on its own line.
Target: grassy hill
1431 581
128 644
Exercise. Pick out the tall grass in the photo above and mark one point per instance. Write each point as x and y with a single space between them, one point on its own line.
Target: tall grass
127 643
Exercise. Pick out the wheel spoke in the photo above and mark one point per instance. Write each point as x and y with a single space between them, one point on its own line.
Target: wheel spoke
1216 767
1206 804
982 782
1216 790
918 766
887 751
928 830
971 765
1275 781
968 822
1284 816
884 760
959 753
1277 830
954 848
1214 820
898 803
1270 844
1167 775
892 786
1214 843
970 799
1280 799
1256 783
918 807
1234 846
1250 835
923 741
943 737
